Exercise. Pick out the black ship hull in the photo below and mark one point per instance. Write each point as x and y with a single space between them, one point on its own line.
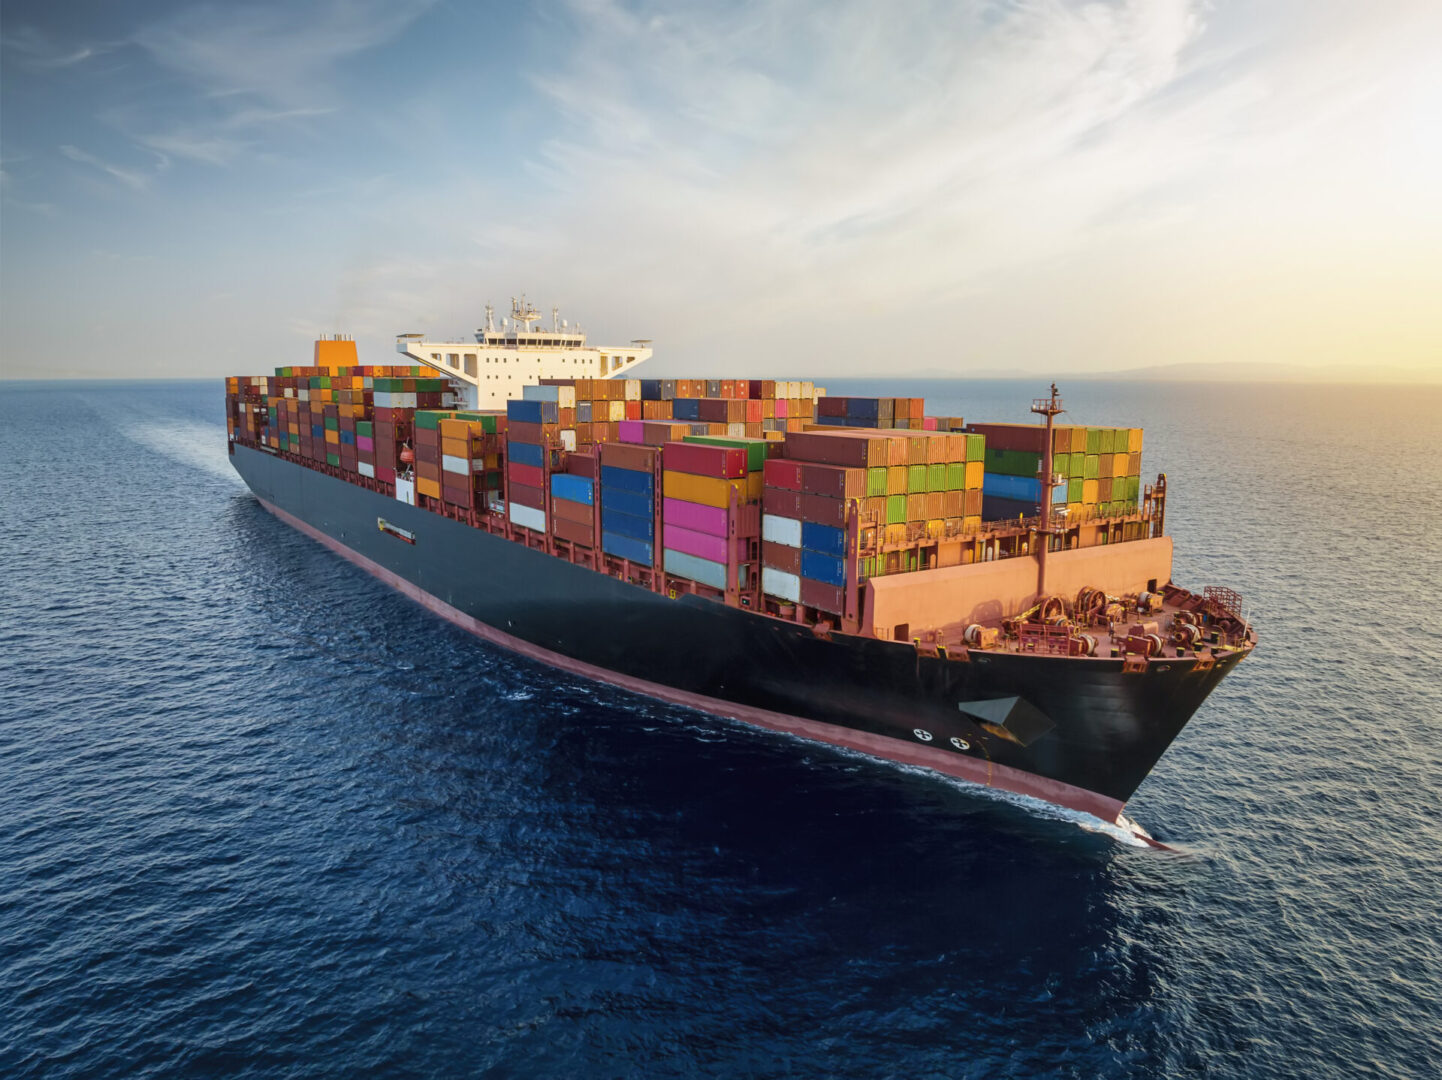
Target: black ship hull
1078 732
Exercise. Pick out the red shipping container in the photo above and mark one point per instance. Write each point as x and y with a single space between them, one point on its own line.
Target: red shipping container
713 410
828 598
833 481
831 406
781 502
831 449
1028 437
579 513
525 474
574 531
781 556
385 473
754 413
629 456
535 434
580 465
723 462
456 494
781 473
525 495
824 511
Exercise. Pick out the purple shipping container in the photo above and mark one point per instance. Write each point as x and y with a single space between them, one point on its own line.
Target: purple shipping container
702 545
703 519
365 442
631 431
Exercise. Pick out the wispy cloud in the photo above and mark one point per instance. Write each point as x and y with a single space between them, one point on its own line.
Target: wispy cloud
279 53
39 50
135 179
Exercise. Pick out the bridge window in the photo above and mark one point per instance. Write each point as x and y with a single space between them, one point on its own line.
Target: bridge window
471 364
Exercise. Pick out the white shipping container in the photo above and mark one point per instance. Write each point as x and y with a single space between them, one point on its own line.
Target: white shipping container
632 390
406 491
365 468
697 569
452 464
780 584
568 439
528 517
781 530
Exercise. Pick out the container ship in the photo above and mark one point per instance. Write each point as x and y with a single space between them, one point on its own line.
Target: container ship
991 601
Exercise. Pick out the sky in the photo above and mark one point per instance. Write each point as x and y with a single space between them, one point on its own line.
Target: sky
808 188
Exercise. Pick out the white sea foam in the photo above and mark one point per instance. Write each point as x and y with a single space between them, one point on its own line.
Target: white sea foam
201 446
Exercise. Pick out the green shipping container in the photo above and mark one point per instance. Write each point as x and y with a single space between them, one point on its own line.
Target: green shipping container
916 480
956 476
1094 444
332 423
876 481
896 509
364 427
1074 491
936 478
1108 441
976 448
1089 472
332 459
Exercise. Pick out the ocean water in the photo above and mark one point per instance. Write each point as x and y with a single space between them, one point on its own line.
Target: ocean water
261 817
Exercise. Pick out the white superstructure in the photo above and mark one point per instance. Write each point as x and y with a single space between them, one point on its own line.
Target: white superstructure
492 369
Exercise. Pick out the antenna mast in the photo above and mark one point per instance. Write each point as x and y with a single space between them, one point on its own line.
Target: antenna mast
1048 407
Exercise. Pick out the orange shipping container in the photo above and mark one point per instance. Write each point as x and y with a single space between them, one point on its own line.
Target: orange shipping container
706 490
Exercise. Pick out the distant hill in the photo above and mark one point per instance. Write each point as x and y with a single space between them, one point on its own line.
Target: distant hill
1201 372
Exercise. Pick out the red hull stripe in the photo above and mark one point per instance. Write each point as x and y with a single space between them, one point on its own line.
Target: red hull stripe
960 766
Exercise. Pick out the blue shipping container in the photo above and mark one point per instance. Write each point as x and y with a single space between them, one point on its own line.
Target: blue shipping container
576 488
823 568
638 528
627 480
862 408
526 453
1019 488
624 547
685 408
826 539
627 502
650 389
532 412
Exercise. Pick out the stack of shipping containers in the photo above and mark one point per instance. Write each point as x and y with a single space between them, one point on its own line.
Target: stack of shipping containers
532 431
1099 470
628 501
706 491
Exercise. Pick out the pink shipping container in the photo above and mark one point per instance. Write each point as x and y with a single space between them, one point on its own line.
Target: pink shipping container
693 516
366 443
702 545
631 431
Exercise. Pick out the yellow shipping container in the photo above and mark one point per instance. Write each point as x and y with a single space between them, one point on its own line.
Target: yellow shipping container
1119 464
1089 491
332 436
975 473
1134 440
971 524
706 490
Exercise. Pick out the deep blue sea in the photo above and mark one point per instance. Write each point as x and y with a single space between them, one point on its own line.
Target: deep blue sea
262 817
